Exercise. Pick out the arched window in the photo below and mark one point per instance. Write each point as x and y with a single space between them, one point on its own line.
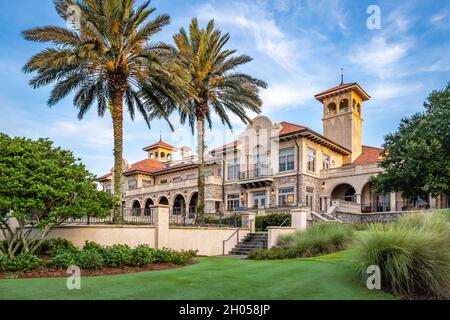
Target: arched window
354 104
358 109
331 108
136 209
343 105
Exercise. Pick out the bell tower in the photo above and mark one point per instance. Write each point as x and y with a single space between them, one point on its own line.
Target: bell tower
342 115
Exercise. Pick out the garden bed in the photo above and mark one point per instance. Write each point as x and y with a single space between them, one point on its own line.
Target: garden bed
60 273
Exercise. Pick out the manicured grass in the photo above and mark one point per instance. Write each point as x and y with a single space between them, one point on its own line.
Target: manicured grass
222 278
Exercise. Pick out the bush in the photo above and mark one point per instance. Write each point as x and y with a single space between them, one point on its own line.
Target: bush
3 260
171 256
142 255
272 220
321 238
90 259
63 259
117 256
21 263
57 246
90 245
413 254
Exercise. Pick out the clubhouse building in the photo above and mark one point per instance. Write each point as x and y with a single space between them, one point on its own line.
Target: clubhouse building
274 166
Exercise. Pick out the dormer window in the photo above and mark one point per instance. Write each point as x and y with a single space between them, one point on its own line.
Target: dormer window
132 184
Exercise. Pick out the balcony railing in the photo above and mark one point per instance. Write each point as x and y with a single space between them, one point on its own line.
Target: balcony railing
214 180
256 173
350 170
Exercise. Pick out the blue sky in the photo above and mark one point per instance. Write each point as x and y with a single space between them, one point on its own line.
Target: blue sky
298 47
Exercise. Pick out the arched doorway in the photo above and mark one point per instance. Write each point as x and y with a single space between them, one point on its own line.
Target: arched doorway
374 202
148 204
164 201
344 192
193 204
179 206
136 209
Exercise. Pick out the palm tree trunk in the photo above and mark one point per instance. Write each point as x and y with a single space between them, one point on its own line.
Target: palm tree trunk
201 169
117 117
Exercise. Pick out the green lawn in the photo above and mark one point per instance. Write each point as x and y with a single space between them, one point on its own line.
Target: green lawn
326 277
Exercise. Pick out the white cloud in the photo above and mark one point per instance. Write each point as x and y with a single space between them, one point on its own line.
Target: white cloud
384 91
284 96
87 132
379 57
267 36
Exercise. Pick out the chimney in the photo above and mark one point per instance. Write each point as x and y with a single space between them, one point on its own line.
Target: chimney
185 152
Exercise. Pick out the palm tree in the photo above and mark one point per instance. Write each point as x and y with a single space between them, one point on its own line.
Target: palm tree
106 58
213 84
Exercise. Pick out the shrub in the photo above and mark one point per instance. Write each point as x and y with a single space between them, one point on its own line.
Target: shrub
3 260
63 259
142 255
21 263
320 238
90 259
117 256
171 256
272 220
413 254
90 245
56 246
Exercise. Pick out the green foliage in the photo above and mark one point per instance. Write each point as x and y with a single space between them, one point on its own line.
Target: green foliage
413 254
44 187
272 220
417 156
321 238
143 255
90 259
118 255
63 259
20 263
61 245
96 256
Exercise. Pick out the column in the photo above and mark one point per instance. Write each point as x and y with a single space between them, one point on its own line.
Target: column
299 218
248 220
393 201
161 220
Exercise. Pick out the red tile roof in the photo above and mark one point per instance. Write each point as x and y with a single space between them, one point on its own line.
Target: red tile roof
105 177
360 91
288 128
339 87
146 165
369 155
160 144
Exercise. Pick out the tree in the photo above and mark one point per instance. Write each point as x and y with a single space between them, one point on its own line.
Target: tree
106 58
42 187
417 156
211 83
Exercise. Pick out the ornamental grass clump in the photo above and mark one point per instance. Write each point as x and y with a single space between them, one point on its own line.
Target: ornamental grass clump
413 255
321 238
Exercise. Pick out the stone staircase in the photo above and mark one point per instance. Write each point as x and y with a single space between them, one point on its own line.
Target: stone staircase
251 242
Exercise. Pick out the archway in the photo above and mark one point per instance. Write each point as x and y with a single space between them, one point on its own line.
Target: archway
331 108
164 201
136 209
148 204
343 105
193 204
179 206
344 192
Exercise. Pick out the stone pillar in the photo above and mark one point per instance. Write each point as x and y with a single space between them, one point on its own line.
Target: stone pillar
433 203
299 218
161 220
248 220
393 201
358 198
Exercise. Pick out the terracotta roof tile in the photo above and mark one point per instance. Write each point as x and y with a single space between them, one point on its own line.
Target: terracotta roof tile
104 177
369 155
146 165
339 87
288 128
160 144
